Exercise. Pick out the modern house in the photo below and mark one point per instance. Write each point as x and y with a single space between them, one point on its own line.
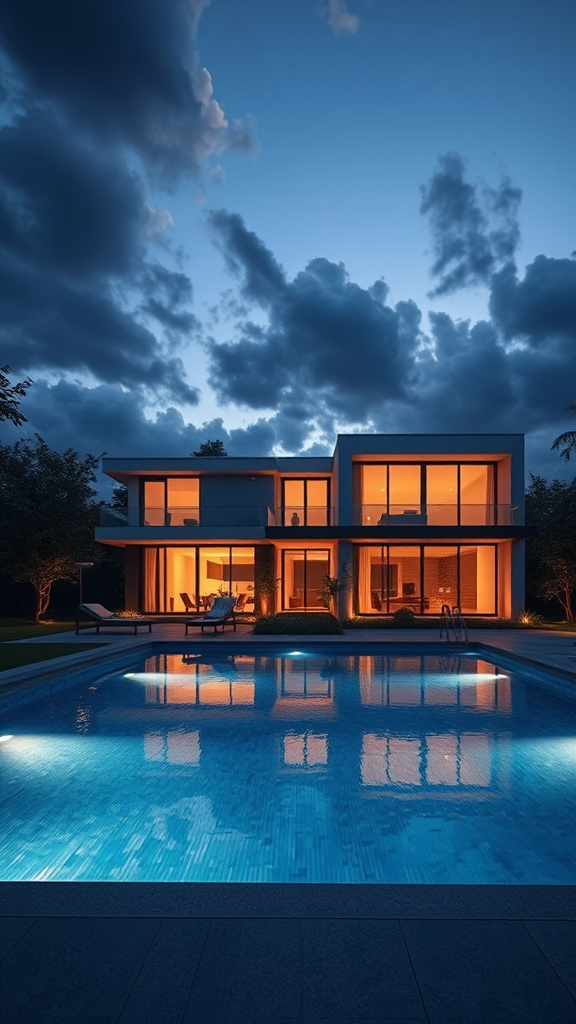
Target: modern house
419 520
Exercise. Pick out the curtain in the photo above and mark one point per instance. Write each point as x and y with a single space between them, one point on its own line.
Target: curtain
151 580
364 602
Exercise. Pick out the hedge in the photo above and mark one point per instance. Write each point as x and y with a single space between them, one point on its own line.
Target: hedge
298 622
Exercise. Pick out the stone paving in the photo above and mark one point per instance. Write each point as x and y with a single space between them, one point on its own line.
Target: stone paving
259 954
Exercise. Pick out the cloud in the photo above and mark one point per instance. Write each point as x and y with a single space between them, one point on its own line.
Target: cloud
157 221
128 72
336 13
74 275
474 229
542 307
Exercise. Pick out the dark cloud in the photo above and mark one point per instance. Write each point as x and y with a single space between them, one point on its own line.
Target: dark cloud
541 307
474 228
328 343
128 71
72 246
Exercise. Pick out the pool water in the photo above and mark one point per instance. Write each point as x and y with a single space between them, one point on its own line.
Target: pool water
291 766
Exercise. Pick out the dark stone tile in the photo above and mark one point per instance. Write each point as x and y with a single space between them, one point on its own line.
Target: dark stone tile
557 940
209 998
73 969
267 980
357 971
471 972
12 929
161 990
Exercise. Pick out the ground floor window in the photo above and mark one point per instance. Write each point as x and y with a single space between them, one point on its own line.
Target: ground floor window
302 572
424 577
180 579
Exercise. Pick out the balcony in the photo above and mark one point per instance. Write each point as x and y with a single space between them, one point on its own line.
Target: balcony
438 515
303 515
211 516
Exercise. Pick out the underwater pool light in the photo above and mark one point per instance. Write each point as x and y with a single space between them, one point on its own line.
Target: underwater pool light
4 739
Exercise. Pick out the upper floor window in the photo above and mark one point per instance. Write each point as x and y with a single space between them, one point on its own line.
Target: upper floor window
174 501
432 494
305 503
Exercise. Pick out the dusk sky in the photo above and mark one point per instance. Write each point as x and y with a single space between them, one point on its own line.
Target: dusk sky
270 221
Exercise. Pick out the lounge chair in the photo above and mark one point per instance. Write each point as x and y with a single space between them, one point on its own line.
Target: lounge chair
102 616
240 602
221 612
188 602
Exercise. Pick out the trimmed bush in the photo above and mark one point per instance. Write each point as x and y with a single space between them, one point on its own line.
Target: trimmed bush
298 622
427 622
404 618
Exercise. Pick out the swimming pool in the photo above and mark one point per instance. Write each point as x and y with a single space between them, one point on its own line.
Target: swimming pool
318 765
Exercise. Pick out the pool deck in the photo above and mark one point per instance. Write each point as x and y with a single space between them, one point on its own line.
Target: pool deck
164 953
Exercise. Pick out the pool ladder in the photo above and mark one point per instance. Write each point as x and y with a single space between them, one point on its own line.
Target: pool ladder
452 619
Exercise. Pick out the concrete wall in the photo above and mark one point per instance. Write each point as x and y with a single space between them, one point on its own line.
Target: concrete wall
230 499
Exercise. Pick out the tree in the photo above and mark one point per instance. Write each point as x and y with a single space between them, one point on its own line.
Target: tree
10 395
567 439
331 586
211 448
48 513
551 556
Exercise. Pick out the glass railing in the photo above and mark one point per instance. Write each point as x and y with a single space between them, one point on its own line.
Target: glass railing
304 515
437 514
187 516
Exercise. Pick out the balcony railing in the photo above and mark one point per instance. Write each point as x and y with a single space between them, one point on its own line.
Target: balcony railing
304 515
436 514
189 517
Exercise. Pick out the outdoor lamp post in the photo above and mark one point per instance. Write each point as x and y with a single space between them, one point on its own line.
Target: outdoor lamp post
80 566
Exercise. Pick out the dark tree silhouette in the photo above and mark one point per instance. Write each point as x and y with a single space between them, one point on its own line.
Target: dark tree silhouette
566 442
210 448
10 395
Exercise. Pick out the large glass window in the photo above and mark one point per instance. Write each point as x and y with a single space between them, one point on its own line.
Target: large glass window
302 578
391 494
477 495
183 579
305 503
424 578
440 577
183 501
442 495
172 502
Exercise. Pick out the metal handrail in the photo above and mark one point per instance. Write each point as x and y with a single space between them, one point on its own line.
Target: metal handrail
437 514
452 619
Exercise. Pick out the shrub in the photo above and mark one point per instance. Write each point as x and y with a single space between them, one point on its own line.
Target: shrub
529 620
425 622
404 618
295 622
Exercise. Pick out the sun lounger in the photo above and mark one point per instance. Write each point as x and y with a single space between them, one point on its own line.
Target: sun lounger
221 613
103 617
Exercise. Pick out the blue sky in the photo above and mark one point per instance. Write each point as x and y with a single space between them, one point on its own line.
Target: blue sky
197 200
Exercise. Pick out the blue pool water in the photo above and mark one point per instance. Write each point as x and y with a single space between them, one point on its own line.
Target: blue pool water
291 766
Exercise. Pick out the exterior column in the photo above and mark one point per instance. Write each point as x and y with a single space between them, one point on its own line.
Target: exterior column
518 578
344 562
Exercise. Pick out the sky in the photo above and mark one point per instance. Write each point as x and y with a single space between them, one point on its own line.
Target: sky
271 221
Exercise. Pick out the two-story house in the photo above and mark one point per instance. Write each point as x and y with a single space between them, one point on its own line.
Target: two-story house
419 521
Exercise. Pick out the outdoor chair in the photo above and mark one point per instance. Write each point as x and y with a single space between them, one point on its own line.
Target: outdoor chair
188 602
221 613
101 616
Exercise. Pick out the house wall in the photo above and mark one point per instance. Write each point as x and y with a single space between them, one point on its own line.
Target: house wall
219 493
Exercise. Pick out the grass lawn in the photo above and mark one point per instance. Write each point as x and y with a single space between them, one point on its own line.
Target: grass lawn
569 627
15 655
23 629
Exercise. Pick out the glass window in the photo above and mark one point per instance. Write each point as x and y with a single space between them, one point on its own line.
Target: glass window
302 576
442 495
478 579
181 580
440 577
184 501
317 502
154 503
477 495
374 494
305 503
404 489
404 575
